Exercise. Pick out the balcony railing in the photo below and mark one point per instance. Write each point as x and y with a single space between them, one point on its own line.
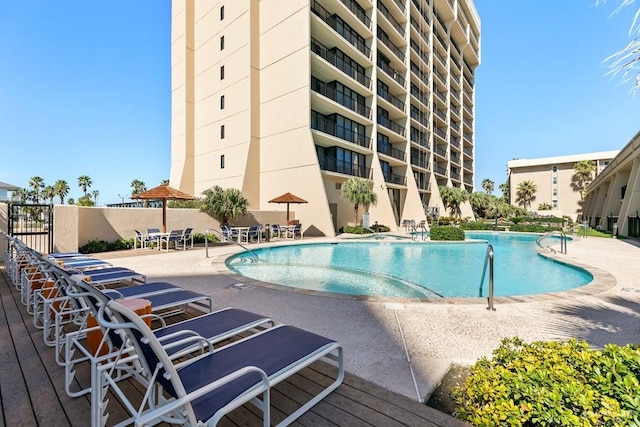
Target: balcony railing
390 124
357 11
395 24
422 163
419 95
419 117
344 30
323 89
440 170
467 137
333 164
455 160
441 114
394 100
419 52
389 150
395 75
384 38
468 151
401 4
321 50
395 178
440 151
468 180
442 134
341 132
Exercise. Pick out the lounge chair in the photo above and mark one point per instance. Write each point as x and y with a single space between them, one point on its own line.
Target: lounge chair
187 238
143 240
295 231
276 231
205 388
228 233
214 327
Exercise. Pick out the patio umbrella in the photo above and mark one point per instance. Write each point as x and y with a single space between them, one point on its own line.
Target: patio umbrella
164 193
288 198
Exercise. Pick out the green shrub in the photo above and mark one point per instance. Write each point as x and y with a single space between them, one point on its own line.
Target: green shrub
443 232
553 384
355 229
477 225
533 228
95 246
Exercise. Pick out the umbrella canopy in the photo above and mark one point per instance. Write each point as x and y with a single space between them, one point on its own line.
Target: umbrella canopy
288 198
164 193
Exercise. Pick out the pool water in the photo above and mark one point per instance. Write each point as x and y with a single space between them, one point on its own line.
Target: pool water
412 269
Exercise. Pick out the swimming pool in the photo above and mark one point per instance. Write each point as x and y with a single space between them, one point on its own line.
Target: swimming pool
412 269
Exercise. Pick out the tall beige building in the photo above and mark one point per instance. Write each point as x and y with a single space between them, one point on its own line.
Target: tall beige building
275 96
554 178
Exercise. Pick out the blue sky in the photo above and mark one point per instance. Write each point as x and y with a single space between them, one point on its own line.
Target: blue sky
85 88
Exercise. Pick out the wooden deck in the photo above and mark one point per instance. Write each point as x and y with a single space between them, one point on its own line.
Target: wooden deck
32 387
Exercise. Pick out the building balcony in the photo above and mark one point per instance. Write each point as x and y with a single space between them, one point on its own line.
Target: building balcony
394 23
392 178
440 152
343 30
322 88
421 163
386 41
340 132
330 56
391 125
393 100
389 150
395 75
332 164
352 5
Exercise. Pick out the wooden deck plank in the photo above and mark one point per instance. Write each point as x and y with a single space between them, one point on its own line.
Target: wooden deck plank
35 394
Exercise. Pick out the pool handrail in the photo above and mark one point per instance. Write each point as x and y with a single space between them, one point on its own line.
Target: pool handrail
563 241
488 261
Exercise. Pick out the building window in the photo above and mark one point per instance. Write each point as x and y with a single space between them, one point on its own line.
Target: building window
555 204
222 72
222 43
554 168
222 132
222 161
555 192
555 179
222 102
221 13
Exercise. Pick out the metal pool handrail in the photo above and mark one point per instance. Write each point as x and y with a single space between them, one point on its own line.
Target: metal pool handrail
488 261
206 243
563 241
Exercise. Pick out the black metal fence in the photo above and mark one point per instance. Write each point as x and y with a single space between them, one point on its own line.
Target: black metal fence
32 224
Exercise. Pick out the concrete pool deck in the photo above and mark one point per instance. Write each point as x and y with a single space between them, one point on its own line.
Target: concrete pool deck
380 336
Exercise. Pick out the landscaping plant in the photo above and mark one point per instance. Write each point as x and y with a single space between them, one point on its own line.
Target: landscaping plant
553 384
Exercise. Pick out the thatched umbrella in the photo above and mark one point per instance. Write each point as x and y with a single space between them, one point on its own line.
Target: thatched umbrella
288 198
164 193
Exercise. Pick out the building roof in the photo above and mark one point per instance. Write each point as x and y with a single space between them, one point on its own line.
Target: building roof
602 155
8 187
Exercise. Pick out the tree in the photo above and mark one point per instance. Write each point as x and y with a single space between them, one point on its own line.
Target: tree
582 176
224 204
506 191
85 201
452 198
544 206
626 62
21 194
61 189
37 184
71 201
488 185
84 182
137 187
526 193
481 203
48 193
95 194
358 192
164 182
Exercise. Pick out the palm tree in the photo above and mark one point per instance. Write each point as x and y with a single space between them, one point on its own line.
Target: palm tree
48 193
526 193
487 185
95 194
137 187
506 190
37 184
164 182
224 204
582 176
452 198
359 191
61 189
84 182
21 194
481 203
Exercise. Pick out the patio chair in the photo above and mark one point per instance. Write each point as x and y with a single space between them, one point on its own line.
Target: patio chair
276 231
174 238
252 233
295 231
187 238
142 240
228 233
205 388
79 348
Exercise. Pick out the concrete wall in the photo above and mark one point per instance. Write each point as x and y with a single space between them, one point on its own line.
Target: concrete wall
74 226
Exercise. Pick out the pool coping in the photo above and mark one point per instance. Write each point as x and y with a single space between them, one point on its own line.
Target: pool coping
601 280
